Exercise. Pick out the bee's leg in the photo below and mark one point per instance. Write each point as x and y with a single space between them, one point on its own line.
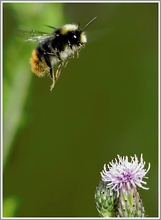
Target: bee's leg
58 71
54 80
66 63
60 64
57 74
78 53
53 84
47 60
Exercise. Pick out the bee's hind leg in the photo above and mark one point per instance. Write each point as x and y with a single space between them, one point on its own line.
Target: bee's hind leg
53 78
57 74
58 71
47 59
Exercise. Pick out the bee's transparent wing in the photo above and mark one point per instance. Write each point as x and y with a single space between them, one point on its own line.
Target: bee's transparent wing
32 36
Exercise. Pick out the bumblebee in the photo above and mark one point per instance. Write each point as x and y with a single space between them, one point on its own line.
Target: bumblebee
56 49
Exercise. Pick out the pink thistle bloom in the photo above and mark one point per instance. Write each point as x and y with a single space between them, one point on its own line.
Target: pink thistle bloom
123 172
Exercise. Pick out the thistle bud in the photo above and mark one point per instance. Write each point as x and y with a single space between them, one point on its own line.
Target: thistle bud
106 200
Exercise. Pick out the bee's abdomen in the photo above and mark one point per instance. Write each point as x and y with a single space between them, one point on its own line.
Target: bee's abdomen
38 66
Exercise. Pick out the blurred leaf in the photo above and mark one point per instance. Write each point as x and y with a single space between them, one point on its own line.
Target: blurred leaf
17 78
10 206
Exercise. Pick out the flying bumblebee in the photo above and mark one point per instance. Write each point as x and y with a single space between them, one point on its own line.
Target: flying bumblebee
56 49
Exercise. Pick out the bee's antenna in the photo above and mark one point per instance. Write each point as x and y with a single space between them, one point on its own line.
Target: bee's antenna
89 23
49 26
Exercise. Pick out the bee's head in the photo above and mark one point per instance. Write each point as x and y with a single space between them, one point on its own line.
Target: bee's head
74 34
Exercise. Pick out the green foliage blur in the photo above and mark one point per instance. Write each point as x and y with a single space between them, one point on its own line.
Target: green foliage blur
105 103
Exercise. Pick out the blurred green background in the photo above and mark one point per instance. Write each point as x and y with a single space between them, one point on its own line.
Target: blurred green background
105 103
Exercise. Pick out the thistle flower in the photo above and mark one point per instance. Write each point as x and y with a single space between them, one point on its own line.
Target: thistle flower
122 180
123 171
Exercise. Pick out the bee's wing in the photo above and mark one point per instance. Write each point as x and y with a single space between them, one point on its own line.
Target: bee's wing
32 36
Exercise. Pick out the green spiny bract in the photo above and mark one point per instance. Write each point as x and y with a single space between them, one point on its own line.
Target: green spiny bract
106 200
